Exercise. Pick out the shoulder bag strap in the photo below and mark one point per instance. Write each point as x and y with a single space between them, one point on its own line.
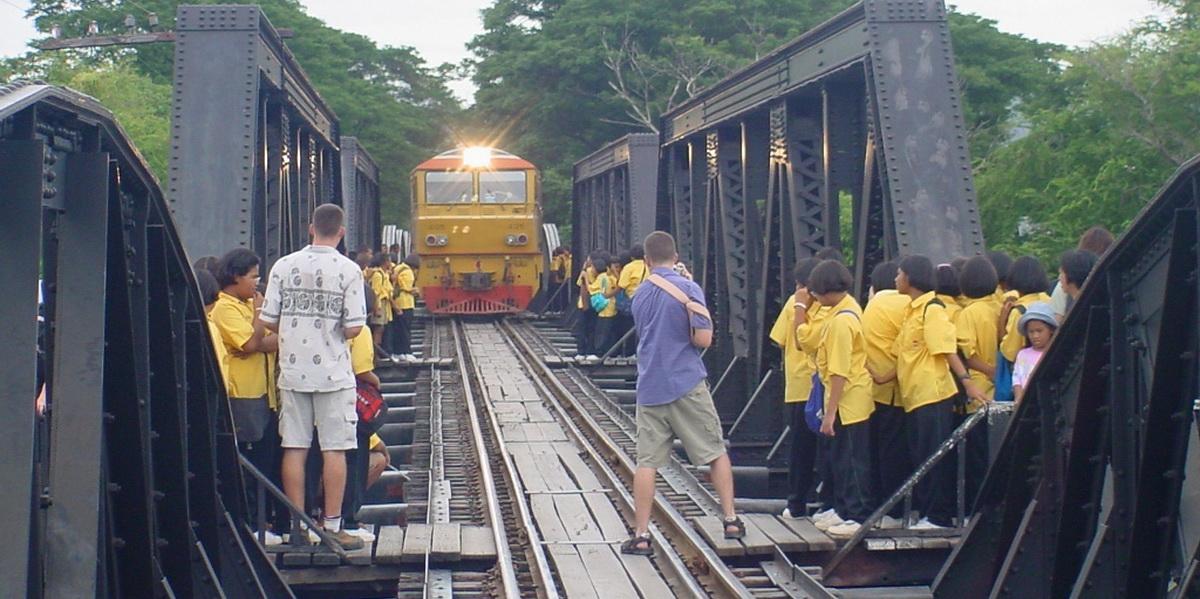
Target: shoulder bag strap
679 296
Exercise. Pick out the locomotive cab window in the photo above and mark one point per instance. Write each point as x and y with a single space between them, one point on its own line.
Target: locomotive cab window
449 188
502 187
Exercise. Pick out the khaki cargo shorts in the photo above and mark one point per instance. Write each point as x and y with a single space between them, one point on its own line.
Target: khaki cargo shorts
693 418
333 413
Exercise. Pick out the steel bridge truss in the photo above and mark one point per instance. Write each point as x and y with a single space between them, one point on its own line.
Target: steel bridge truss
360 196
615 190
854 127
130 485
254 148
1090 495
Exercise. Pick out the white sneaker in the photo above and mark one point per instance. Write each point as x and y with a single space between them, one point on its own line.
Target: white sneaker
411 357
844 530
787 514
361 533
888 522
823 514
925 524
270 538
592 358
828 522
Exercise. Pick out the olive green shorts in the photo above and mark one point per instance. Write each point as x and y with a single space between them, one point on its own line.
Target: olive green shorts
693 418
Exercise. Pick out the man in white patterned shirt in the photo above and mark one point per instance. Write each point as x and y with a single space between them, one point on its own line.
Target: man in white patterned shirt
314 302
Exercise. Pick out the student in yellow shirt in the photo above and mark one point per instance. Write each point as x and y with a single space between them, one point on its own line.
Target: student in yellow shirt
978 343
379 277
809 317
881 322
1028 279
250 365
926 364
585 324
404 303
559 273
209 291
606 319
798 369
632 274
842 366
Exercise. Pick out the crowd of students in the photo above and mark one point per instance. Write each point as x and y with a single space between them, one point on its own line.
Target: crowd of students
606 288
934 344
247 348
391 320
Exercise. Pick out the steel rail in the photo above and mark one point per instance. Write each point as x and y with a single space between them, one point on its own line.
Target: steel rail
504 561
539 565
692 547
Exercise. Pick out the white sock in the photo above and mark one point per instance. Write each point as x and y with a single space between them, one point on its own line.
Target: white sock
333 524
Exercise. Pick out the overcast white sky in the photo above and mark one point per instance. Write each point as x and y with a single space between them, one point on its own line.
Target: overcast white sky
440 29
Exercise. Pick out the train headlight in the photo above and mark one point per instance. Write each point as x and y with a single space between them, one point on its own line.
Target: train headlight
510 240
521 239
436 240
477 157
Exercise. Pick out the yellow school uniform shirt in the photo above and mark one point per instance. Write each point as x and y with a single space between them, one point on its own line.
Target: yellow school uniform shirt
374 442
556 264
926 338
798 368
808 334
952 306
249 376
604 282
881 323
404 287
381 284
1013 339
977 338
219 349
588 278
843 352
362 352
632 275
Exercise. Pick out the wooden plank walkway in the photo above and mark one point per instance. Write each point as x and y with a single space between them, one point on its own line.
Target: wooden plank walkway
579 525
764 531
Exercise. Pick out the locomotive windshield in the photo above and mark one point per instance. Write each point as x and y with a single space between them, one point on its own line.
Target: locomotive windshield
502 187
449 188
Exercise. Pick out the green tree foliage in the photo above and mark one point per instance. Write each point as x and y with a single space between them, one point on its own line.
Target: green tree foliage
387 97
1127 118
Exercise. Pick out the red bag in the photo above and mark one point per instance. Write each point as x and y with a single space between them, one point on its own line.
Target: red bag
372 409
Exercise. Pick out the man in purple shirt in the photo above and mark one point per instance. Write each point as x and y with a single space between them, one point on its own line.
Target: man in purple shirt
672 390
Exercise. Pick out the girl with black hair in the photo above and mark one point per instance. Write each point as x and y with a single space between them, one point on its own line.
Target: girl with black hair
1028 279
927 362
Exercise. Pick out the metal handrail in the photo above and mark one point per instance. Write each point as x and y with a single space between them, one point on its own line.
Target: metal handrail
264 483
554 295
905 490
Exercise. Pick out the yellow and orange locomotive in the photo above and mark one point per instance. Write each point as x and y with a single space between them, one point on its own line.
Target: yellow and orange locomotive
477 224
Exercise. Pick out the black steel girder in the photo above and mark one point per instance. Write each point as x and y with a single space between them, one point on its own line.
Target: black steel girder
360 195
615 190
254 148
114 492
855 128
1089 495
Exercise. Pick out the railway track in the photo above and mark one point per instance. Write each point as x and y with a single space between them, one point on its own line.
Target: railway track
681 492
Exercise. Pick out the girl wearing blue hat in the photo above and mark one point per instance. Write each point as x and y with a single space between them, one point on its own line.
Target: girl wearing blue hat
1038 326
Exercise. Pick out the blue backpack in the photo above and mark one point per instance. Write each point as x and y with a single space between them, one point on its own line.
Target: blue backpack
1004 373
814 409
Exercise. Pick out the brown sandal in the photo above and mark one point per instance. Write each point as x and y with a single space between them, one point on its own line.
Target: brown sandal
738 526
638 545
